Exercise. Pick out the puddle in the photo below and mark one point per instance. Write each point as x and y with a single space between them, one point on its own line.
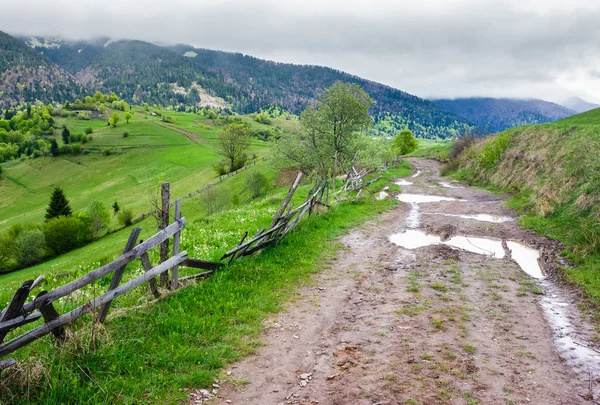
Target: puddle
403 182
417 173
479 217
527 258
413 239
414 216
421 198
571 348
448 185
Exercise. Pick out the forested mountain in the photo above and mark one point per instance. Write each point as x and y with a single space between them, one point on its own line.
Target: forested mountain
181 75
493 115
26 76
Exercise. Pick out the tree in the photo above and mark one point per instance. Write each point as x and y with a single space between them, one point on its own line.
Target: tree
116 208
54 148
233 143
99 97
66 135
256 183
100 218
128 116
330 131
59 205
404 142
30 246
114 119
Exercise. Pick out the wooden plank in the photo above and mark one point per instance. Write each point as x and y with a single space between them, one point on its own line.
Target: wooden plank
37 282
287 198
69 317
4 364
147 267
176 243
116 280
50 314
165 195
19 321
196 276
15 306
201 264
106 269
241 241
251 241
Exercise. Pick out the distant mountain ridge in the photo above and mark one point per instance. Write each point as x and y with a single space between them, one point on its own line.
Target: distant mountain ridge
25 76
497 114
578 105
182 75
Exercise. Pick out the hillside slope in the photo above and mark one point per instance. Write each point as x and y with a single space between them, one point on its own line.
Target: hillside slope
497 114
554 171
26 76
143 72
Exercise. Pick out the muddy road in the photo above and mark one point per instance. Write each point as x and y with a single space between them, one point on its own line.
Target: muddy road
440 301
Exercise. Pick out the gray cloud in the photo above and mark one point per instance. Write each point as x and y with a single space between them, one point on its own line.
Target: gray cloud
432 48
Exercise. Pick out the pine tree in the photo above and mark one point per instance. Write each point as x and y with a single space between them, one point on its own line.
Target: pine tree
66 135
59 205
116 208
54 148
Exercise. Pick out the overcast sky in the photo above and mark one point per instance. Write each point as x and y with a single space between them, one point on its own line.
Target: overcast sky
547 49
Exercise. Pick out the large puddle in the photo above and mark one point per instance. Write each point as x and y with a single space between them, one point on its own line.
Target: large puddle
479 217
403 182
526 257
421 198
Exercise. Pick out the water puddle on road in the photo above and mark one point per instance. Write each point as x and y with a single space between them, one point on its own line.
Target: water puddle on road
421 198
479 217
417 173
403 182
448 185
526 257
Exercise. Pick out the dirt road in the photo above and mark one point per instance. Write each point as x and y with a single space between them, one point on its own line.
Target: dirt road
438 324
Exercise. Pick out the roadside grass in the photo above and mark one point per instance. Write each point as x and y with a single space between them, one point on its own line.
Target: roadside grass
150 353
553 171
438 150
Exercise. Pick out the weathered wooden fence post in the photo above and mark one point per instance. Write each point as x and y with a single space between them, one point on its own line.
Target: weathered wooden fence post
164 222
114 283
176 241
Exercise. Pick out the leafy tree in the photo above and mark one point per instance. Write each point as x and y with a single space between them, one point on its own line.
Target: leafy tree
330 131
114 119
30 247
404 142
88 130
66 135
59 205
256 183
116 208
128 116
100 218
233 143
99 97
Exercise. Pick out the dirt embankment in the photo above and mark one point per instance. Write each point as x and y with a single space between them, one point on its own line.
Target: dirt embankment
383 324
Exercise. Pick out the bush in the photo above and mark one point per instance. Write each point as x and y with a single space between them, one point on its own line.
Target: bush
404 143
461 144
30 247
125 217
256 184
76 149
76 138
214 200
125 134
221 168
64 149
63 234
8 261
239 162
106 152
88 130
84 138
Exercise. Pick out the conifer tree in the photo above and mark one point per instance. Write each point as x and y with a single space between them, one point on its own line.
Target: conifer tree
59 205
54 148
66 135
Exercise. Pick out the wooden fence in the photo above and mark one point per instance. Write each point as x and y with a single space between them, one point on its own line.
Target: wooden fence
19 313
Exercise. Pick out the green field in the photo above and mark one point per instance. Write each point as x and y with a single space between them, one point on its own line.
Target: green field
151 153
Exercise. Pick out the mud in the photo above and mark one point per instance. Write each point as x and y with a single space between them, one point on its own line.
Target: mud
384 324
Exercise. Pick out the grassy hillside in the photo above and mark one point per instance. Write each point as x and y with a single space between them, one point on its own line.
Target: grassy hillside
152 151
149 354
554 172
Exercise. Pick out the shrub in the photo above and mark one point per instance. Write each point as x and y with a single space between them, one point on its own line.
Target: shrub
461 144
125 134
404 143
84 138
214 199
30 247
221 168
88 130
63 234
106 152
493 150
76 149
256 184
64 149
8 261
239 162
76 138
125 217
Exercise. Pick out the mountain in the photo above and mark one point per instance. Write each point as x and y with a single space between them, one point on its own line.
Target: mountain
578 105
182 75
497 114
27 76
